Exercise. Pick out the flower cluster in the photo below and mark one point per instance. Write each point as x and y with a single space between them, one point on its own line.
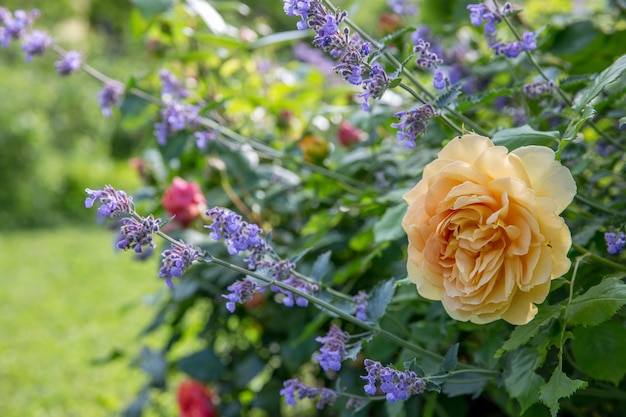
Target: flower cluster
402 7
489 17
360 299
177 260
110 96
69 63
176 114
294 387
137 234
396 385
113 203
413 123
333 350
240 236
240 292
349 49
614 242
539 88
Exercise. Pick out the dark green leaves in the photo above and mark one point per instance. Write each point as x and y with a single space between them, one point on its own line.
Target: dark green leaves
598 304
390 225
559 386
516 137
606 77
599 351
522 334
379 299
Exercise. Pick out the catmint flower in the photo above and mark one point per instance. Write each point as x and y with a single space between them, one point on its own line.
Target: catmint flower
109 96
240 292
426 58
360 299
529 41
136 234
298 8
292 299
15 25
171 87
35 43
375 86
176 116
614 242
294 387
333 349
113 203
397 385
203 138
177 260
413 124
440 80
70 63
402 7
539 88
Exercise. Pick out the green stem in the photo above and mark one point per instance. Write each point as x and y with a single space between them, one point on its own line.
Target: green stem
598 258
589 202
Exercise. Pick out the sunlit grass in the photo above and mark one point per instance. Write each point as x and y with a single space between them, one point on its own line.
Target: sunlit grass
67 301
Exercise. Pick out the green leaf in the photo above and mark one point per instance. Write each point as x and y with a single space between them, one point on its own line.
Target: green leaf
321 266
448 96
599 351
525 135
450 360
389 227
559 386
279 38
380 297
465 384
522 334
523 383
204 365
598 304
395 82
606 77
588 113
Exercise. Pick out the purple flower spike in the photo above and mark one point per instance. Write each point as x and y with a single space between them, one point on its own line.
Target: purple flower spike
240 292
333 349
109 96
177 260
361 305
113 203
137 235
397 385
70 63
35 43
294 387
614 242
413 124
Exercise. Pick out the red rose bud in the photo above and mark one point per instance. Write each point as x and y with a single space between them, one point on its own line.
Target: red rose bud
184 200
195 400
347 134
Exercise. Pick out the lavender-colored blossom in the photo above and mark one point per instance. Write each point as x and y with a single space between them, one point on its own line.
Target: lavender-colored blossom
109 96
529 41
375 86
15 25
298 8
292 299
240 292
402 7
113 203
295 388
360 301
614 242
177 260
137 234
440 80
171 87
333 350
539 88
204 137
35 43
69 63
413 124
426 58
176 116
313 56
397 385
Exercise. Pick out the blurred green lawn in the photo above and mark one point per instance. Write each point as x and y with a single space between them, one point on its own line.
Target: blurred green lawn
67 301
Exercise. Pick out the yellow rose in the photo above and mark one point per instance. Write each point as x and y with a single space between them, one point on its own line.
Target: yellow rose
485 236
